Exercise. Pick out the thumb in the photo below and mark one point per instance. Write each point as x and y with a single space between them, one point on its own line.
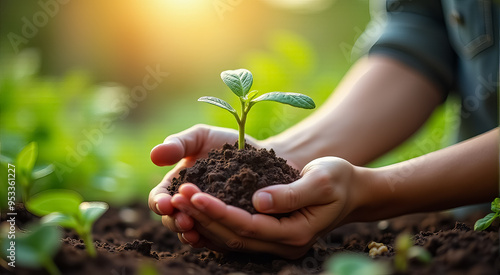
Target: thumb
314 188
187 143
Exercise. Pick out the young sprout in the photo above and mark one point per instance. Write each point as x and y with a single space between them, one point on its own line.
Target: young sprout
35 248
354 264
405 250
67 209
485 222
240 81
25 162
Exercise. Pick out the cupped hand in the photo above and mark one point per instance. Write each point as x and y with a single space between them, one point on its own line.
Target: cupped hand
184 148
319 201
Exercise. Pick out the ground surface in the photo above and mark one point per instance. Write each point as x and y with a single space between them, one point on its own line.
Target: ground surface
130 241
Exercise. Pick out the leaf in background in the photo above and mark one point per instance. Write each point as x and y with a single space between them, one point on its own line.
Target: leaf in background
239 81
495 205
36 247
485 222
55 200
217 102
91 211
60 219
26 161
293 99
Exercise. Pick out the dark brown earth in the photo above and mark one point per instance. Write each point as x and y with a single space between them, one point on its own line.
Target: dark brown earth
132 240
233 175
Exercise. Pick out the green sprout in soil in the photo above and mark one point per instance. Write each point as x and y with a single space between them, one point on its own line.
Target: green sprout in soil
25 163
405 251
355 264
35 248
485 222
240 81
67 209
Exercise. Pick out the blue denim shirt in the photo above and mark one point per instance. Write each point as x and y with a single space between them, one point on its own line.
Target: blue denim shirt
455 43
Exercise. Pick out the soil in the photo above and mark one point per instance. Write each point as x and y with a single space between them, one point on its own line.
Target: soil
132 240
233 175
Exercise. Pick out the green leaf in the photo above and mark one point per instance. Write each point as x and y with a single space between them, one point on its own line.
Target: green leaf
418 252
251 95
239 81
495 205
91 211
294 99
64 220
36 247
355 264
217 102
485 222
26 160
55 200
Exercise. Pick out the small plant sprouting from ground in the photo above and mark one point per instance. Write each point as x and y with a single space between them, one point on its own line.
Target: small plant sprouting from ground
240 82
485 222
36 247
25 163
405 250
355 264
67 209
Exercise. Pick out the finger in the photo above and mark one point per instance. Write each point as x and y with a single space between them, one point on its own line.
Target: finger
293 230
314 188
161 204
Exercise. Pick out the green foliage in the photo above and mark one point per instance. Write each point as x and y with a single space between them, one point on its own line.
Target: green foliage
26 174
485 222
67 209
36 247
240 82
405 250
355 264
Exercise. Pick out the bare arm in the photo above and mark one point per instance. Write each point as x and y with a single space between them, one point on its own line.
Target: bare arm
379 104
462 174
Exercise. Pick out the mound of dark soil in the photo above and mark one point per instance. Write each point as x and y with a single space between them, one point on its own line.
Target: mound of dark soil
233 175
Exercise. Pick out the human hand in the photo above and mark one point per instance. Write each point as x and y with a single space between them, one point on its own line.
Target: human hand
184 148
321 200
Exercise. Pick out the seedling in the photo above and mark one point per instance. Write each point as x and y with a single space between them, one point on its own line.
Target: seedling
67 209
485 222
405 250
25 163
34 248
355 264
240 81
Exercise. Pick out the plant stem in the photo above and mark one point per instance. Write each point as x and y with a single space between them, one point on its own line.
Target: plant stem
241 125
51 267
89 244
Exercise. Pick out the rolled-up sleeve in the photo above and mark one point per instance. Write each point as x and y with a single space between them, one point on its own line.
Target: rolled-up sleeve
415 34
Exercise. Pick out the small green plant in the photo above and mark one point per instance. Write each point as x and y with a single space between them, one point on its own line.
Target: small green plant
67 209
25 163
485 222
34 248
355 264
240 81
405 250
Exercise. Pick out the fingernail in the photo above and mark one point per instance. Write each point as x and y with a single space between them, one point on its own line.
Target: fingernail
158 209
178 225
264 201
199 202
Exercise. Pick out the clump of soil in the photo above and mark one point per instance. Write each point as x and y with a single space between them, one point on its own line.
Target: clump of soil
233 175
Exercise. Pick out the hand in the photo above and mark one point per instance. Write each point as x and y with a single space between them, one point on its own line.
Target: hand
184 148
321 200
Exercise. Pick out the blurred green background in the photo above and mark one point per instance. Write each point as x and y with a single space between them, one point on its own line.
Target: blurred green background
97 84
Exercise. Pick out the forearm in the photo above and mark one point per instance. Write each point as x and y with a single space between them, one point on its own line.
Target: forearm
462 174
379 104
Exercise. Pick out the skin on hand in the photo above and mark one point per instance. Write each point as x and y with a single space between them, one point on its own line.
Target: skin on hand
319 201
